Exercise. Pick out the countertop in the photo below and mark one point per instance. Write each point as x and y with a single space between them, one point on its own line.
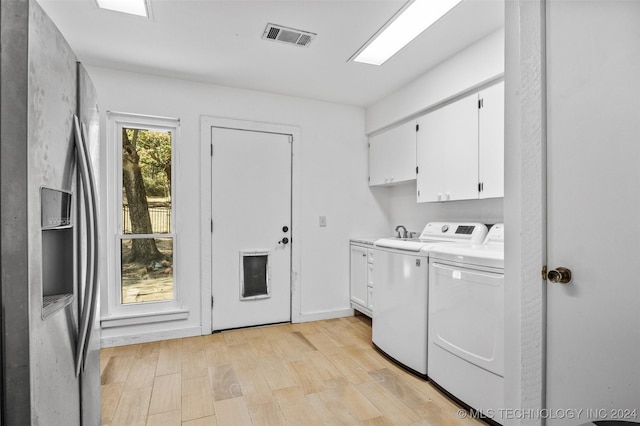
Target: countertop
365 240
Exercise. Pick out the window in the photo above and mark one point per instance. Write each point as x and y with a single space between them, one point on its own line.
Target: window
142 254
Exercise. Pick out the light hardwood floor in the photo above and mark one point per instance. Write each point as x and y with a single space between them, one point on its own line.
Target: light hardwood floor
324 372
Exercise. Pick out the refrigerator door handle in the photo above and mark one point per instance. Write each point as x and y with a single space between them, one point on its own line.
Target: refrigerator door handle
89 210
96 250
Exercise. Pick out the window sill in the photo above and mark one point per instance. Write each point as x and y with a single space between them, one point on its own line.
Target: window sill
146 318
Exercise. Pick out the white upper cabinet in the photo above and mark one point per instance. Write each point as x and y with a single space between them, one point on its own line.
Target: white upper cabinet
447 152
491 142
460 149
392 155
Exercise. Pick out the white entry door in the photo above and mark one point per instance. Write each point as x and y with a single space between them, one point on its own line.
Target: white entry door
593 172
251 228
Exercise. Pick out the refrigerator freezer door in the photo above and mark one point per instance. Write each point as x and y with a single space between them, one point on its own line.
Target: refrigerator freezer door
90 131
51 102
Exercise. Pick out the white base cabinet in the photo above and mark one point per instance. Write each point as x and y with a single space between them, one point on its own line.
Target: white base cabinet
361 279
460 149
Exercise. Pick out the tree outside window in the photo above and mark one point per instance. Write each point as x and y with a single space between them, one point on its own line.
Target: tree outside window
147 238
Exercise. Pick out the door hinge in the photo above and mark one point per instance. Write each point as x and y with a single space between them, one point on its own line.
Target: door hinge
480 103
544 272
369 179
416 169
480 186
418 193
211 223
211 150
212 301
417 127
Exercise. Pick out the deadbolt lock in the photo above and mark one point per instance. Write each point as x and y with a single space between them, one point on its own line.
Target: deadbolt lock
559 275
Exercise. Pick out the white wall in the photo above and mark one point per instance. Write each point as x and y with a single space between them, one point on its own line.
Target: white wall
403 209
333 184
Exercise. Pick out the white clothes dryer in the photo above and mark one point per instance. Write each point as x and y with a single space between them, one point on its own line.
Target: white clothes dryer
466 321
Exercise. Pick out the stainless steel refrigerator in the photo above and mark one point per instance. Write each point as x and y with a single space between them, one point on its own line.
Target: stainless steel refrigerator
49 253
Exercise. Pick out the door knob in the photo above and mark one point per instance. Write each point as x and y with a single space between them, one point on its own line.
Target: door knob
285 240
559 275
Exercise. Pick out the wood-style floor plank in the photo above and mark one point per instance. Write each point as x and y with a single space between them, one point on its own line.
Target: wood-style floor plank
224 382
197 399
132 408
170 418
110 395
295 407
167 394
142 373
324 372
232 411
117 369
169 359
266 414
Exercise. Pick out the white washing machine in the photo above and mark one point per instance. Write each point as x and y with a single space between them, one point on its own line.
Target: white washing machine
466 321
400 286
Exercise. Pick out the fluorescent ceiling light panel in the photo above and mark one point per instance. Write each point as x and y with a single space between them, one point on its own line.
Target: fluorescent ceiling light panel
409 23
132 7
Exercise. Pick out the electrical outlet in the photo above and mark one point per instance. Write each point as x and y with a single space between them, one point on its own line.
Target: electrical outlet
323 221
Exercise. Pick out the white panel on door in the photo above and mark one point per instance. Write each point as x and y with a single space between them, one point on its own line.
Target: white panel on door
593 322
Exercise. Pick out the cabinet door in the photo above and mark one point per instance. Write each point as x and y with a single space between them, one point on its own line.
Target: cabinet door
392 155
358 280
491 142
447 152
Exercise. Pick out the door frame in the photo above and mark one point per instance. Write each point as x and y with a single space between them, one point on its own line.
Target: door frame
206 123
525 209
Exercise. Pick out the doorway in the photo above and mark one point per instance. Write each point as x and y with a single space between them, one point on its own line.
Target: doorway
571 99
251 242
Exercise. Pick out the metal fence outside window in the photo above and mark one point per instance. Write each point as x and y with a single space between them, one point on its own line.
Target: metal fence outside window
160 220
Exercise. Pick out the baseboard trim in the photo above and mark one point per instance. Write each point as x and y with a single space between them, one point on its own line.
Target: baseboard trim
154 336
325 315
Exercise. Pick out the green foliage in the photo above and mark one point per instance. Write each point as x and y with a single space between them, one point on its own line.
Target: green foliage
154 152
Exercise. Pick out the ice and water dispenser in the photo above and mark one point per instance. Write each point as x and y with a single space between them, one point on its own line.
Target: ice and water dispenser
57 250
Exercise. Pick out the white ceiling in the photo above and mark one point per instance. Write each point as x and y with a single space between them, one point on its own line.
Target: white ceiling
219 42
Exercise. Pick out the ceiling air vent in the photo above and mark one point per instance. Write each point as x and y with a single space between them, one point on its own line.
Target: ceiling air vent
287 35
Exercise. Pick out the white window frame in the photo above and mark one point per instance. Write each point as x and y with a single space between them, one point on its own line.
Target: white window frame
114 312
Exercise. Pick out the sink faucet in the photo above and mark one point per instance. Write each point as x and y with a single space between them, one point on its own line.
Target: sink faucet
402 231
